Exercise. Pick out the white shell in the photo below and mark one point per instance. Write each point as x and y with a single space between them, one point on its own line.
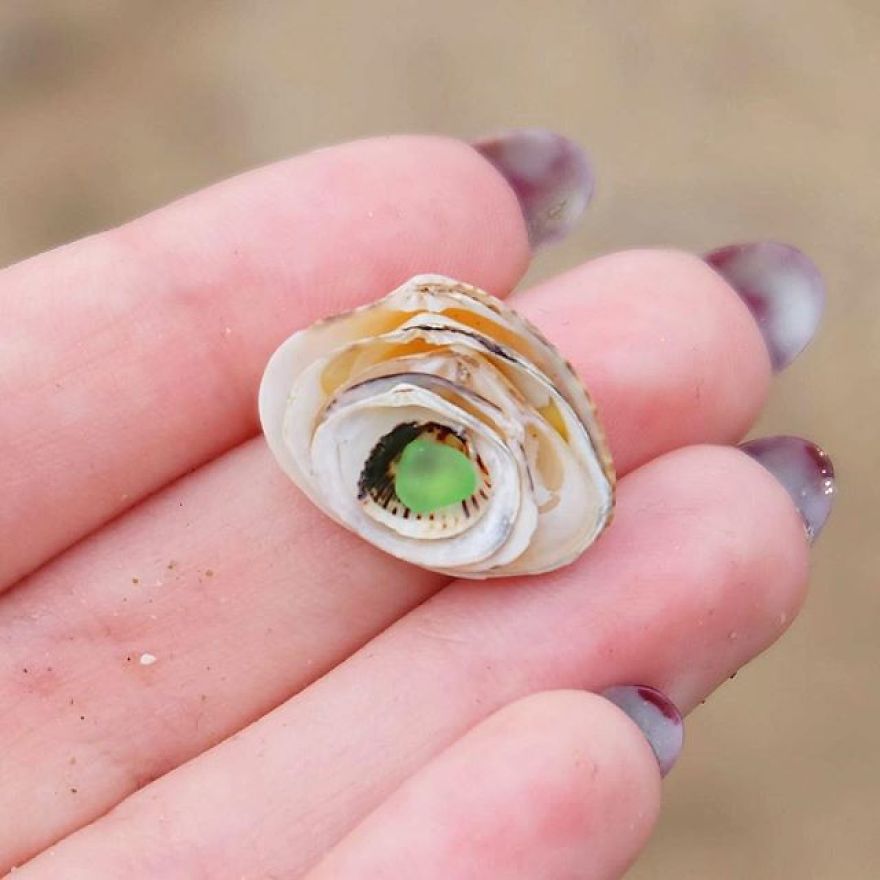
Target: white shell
442 353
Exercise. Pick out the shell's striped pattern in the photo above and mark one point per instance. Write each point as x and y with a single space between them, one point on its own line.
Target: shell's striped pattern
441 360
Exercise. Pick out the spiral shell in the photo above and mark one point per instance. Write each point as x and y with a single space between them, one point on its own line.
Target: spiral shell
441 361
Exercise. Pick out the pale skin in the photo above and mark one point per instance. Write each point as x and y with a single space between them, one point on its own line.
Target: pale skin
220 682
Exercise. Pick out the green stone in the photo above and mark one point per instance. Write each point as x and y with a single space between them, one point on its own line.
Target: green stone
433 475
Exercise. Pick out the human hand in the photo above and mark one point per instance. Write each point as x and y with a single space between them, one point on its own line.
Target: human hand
252 691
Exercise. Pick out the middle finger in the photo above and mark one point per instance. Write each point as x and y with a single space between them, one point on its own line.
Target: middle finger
228 592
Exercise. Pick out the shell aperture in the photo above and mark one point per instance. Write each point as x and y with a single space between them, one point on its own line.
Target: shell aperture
443 428
433 475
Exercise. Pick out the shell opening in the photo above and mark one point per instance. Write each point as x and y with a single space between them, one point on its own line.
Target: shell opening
425 471
433 475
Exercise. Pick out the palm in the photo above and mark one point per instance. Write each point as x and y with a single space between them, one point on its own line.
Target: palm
225 600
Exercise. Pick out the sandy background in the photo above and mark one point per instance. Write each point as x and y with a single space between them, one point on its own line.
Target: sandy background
709 122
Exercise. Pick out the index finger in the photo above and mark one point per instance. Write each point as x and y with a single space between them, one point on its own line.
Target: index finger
133 356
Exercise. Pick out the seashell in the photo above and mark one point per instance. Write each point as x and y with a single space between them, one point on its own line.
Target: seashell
441 395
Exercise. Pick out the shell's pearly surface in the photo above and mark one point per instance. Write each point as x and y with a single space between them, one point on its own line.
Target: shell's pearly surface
443 428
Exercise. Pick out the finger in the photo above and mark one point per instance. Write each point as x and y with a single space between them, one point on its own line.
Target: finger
133 356
653 334
704 568
556 785
245 593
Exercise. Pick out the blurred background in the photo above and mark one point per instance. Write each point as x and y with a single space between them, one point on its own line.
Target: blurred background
708 123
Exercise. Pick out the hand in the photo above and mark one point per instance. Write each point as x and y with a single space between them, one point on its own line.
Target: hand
253 692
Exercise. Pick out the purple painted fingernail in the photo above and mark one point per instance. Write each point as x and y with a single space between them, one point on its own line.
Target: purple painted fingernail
783 289
657 718
804 470
550 175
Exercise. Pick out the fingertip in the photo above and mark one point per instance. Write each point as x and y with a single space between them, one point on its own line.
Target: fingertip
587 771
663 344
744 572
554 785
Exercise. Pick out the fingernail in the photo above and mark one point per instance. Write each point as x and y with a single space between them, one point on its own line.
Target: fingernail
550 175
804 470
783 289
656 716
